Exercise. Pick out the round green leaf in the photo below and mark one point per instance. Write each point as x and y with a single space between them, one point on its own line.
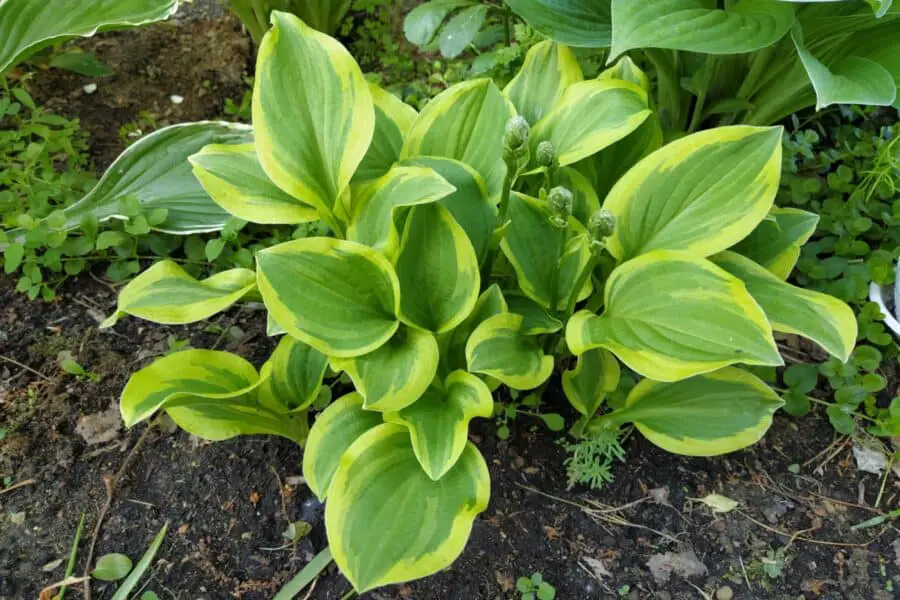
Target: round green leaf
388 521
339 297
498 348
112 567
595 375
292 377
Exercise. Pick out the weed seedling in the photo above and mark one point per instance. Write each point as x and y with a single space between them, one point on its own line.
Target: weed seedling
535 588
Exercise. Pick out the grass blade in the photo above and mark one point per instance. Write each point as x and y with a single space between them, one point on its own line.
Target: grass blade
73 555
305 576
132 580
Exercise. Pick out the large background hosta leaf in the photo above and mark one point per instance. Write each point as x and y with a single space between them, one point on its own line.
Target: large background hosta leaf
696 26
586 23
388 521
156 171
26 26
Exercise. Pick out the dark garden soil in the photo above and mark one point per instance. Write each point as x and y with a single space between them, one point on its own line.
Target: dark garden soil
227 504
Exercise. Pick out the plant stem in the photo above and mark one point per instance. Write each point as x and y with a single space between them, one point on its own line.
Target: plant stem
758 66
506 28
582 279
668 77
697 115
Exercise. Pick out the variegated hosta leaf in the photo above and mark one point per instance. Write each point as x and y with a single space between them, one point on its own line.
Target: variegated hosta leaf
335 430
374 204
543 256
702 193
613 162
27 26
339 297
695 26
670 315
293 376
626 70
396 374
706 415
499 348
585 200
438 422
469 204
465 122
590 116
583 23
234 179
776 241
849 80
549 69
453 344
165 293
393 119
156 171
388 521
437 269
819 317
595 375
208 393
537 319
313 115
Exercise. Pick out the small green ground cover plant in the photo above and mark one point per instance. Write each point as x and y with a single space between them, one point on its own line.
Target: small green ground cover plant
846 168
535 588
460 250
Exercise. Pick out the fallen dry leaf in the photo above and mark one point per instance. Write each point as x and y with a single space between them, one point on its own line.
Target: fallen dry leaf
552 533
596 567
684 564
255 497
814 586
101 427
719 503
504 581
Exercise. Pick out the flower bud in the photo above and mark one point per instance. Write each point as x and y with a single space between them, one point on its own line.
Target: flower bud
546 154
602 224
516 135
561 202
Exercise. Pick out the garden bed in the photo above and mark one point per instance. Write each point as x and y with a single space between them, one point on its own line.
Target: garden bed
224 507
227 504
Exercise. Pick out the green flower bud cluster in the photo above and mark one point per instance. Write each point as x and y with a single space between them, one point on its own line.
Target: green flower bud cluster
546 155
561 202
602 224
516 147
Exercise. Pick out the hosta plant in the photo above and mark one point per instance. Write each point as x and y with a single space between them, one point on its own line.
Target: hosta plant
468 252
749 61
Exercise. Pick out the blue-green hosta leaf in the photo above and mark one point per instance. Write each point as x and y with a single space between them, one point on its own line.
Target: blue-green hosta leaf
388 521
549 69
695 26
469 204
547 260
438 422
423 21
375 204
335 430
165 293
453 344
396 374
437 269
465 122
313 114
208 393
293 376
595 375
339 297
234 179
590 116
701 193
155 170
706 415
583 23
776 241
499 348
393 119
461 30
670 315
537 319
819 317
27 26
850 80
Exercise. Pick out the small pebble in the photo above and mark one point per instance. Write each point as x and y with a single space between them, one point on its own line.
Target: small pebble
17 518
90 88
176 99
724 593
